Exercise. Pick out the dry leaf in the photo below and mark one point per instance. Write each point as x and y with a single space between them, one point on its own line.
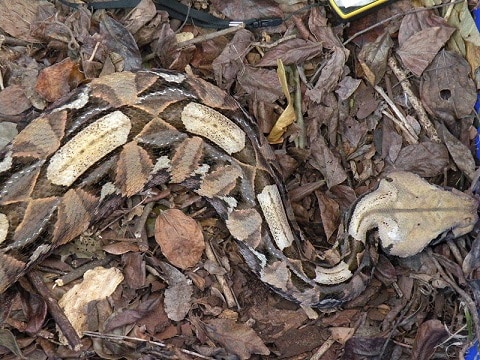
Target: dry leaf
460 154
422 34
430 334
178 294
236 338
57 80
13 100
288 115
330 212
446 89
180 238
331 74
373 58
97 284
326 162
17 17
293 51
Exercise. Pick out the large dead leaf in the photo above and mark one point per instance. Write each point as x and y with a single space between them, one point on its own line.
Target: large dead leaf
446 90
422 34
180 238
460 154
430 334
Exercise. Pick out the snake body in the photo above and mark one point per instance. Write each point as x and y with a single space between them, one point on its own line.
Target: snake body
125 133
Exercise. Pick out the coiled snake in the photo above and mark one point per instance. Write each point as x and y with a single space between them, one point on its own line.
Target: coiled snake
127 132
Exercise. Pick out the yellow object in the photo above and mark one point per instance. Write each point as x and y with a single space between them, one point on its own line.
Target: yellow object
348 9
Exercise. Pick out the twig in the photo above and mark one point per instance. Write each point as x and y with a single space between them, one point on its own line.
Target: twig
417 105
139 231
210 36
402 122
115 337
57 313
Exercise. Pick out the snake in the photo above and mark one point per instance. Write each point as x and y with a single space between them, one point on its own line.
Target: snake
127 133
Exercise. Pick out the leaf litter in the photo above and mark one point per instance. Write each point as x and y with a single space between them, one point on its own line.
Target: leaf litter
205 303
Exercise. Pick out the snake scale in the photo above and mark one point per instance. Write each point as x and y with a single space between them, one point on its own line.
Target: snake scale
125 133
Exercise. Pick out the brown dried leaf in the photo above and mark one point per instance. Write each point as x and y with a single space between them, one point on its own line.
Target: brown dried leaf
426 159
460 154
178 294
140 16
373 58
57 80
346 87
9 341
121 247
134 269
248 9
236 338
13 100
119 41
260 84
133 169
324 160
422 34
330 212
446 89
228 64
330 75
97 284
430 334
293 51
180 238
17 17
131 316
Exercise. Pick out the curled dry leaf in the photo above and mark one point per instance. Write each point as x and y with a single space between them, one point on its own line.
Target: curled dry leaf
17 17
288 115
180 238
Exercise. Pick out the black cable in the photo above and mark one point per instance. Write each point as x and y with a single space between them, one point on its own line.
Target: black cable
179 11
